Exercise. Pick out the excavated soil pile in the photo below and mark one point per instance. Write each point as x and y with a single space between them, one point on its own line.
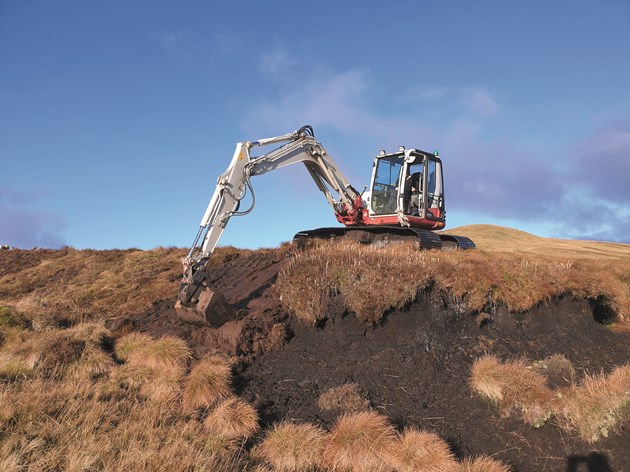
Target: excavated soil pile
414 368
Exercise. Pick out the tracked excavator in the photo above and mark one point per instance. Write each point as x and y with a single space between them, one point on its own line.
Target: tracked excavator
405 202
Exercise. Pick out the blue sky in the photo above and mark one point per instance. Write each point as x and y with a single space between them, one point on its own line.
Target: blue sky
116 117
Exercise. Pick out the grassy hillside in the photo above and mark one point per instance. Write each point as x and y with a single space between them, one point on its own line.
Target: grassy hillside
498 238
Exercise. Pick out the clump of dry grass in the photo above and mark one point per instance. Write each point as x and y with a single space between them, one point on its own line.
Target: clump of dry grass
55 353
598 405
153 368
163 353
481 464
420 451
594 408
129 343
358 442
291 447
208 383
233 418
346 398
513 386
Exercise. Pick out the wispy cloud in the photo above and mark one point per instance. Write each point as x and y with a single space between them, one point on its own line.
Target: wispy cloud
172 41
601 163
23 226
199 43
275 62
336 100
480 101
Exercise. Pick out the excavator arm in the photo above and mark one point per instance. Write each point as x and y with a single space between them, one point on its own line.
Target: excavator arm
196 302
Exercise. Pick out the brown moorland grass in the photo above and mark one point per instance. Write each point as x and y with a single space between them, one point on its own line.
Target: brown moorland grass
208 383
598 405
358 442
348 272
168 352
128 343
291 447
512 386
420 451
69 285
493 238
233 418
594 408
55 353
66 424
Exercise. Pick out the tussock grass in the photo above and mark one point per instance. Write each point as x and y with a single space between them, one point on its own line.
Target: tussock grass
129 343
167 352
358 442
594 408
420 451
346 273
598 405
55 353
481 464
291 447
77 409
346 398
208 383
233 418
513 387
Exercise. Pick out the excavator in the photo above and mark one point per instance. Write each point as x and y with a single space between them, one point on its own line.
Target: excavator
405 202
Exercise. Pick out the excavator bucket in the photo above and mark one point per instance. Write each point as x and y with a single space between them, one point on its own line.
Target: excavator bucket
209 309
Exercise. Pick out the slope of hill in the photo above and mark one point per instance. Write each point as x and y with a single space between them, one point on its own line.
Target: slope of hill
90 349
499 238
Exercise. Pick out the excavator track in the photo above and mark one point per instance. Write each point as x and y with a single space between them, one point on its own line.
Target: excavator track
451 241
384 235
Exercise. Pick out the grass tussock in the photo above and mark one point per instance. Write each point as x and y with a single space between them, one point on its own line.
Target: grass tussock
333 273
598 405
56 353
513 387
594 408
420 451
289 447
77 409
208 383
359 442
346 398
481 464
233 419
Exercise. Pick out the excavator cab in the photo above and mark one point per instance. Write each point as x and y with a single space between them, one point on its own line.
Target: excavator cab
409 183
